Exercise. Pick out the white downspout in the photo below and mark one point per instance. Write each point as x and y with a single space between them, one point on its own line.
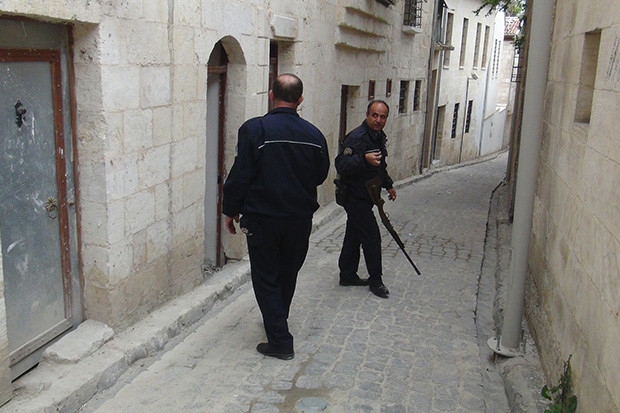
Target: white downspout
540 29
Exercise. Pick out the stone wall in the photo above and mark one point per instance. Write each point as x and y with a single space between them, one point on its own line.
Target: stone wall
141 83
466 75
573 298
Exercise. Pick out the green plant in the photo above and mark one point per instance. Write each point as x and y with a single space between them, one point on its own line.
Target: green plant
511 7
561 397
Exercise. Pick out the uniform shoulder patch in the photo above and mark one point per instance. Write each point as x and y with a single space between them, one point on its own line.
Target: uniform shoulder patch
348 151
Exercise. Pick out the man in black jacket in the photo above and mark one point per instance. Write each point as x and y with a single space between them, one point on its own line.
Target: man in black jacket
281 159
362 158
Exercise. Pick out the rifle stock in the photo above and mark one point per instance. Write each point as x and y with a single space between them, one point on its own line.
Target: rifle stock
374 190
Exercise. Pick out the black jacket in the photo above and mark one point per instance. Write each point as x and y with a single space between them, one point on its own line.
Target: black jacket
351 163
281 159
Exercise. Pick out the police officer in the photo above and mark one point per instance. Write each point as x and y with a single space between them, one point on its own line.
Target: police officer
361 159
281 159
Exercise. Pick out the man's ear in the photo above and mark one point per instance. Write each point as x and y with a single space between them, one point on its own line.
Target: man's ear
271 95
301 99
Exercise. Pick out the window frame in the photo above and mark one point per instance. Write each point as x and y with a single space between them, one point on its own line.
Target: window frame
403 96
412 15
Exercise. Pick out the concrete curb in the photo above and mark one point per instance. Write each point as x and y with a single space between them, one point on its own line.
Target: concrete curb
65 386
522 375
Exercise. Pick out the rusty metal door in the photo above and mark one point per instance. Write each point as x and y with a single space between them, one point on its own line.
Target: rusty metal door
34 212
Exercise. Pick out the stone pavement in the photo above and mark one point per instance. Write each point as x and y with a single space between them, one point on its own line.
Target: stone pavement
422 350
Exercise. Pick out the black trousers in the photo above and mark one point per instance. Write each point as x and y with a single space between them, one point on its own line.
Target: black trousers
361 230
277 250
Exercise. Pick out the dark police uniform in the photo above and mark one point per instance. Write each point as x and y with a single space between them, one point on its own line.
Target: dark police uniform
362 228
281 159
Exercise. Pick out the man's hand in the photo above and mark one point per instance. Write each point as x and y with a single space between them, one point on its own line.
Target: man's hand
391 194
230 223
373 158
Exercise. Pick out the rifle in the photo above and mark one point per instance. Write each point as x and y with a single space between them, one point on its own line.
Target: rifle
374 189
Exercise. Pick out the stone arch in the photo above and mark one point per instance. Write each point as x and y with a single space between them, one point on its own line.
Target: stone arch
226 97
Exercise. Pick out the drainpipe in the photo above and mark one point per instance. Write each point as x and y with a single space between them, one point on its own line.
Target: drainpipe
540 22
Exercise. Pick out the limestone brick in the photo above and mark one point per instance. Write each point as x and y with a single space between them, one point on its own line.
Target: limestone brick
88 82
155 10
187 12
131 10
155 86
92 186
154 167
111 47
121 87
184 46
185 157
162 125
94 222
604 125
193 187
85 11
137 130
139 242
162 201
121 177
120 261
185 222
115 221
158 239
139 211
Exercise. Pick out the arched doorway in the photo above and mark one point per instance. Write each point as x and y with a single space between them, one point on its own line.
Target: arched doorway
225 84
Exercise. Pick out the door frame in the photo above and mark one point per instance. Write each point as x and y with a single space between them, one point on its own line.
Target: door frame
53 57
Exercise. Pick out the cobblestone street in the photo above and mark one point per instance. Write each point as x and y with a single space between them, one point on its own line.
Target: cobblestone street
414 352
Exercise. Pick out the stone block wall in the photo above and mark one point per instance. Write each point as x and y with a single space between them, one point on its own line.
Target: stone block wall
141 107
573 298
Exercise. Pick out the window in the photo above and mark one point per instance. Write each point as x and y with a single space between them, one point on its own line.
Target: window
587 76
448 39
464 42
417 91
371 89
388 88
402 97
413 13
455 120
386 3
470 105
485 46
477 44
496 57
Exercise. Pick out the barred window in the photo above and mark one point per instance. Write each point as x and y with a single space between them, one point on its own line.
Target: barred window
413 13
470 105
455 120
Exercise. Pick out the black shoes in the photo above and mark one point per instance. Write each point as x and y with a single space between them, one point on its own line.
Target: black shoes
355 281
379 290
267 350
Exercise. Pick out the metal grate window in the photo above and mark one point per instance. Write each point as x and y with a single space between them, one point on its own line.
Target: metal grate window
455 120
470 105
413 13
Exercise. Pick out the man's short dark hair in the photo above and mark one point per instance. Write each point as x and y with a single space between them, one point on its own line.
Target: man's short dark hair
372 102
287 87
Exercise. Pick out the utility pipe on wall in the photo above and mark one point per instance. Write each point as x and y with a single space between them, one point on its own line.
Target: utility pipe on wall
540 22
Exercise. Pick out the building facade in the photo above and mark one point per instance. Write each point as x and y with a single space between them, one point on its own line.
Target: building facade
573 293
463 118
129 110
